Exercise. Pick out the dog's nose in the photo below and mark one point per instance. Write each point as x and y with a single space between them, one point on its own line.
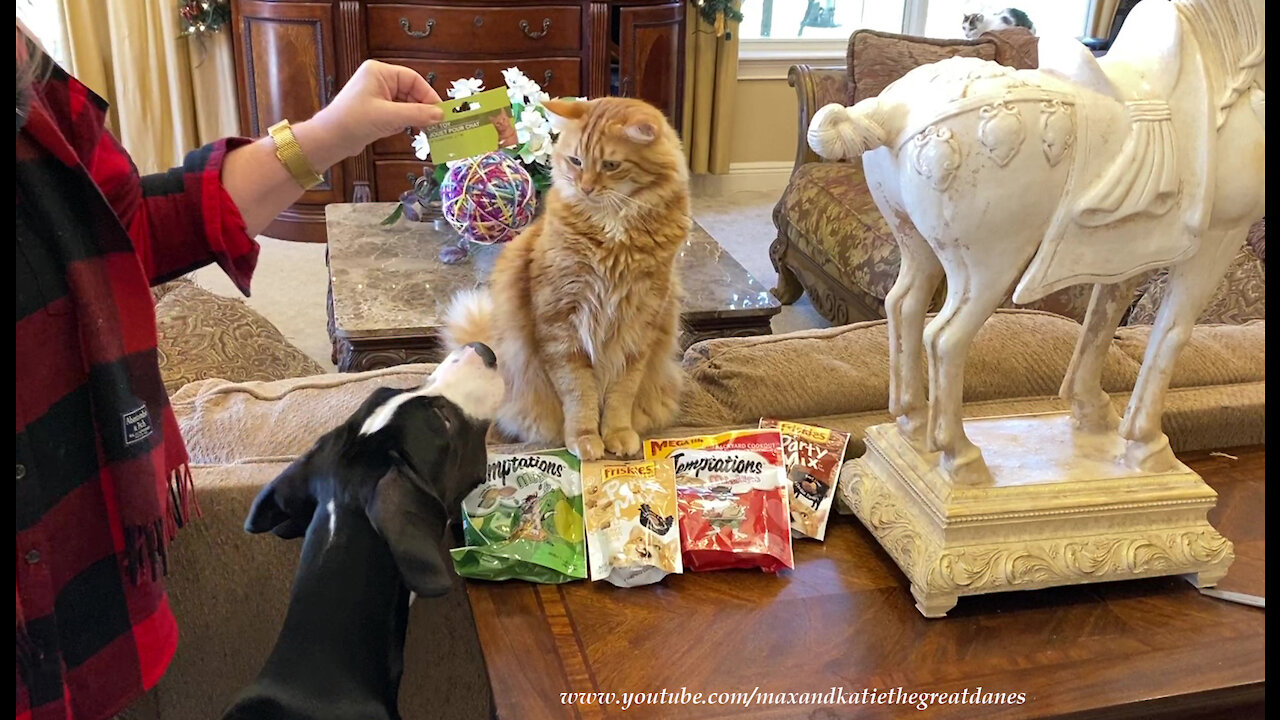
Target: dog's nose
485 353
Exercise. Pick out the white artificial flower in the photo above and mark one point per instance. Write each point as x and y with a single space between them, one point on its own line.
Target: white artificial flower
533 91
537 151
515 96
530 124
534 133
466 87
513 76
421 146
522 90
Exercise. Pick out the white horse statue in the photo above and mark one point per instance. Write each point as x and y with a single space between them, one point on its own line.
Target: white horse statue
1085 170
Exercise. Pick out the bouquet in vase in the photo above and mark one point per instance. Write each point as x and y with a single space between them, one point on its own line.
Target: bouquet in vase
533 149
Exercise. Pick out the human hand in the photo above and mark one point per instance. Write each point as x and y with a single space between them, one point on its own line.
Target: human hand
378 101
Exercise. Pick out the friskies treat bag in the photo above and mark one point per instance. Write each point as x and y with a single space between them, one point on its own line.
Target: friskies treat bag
525 521
632 537
732 495
812 456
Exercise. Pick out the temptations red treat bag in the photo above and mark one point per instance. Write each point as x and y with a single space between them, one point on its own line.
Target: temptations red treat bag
812 456
732 494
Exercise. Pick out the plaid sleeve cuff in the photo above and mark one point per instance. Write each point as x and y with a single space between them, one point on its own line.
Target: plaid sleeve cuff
224 229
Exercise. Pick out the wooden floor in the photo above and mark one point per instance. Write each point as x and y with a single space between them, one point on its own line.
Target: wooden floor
844 619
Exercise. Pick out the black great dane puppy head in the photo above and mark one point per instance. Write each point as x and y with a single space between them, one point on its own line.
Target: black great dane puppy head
405 457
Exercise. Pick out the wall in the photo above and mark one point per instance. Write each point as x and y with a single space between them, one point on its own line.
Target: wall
764 122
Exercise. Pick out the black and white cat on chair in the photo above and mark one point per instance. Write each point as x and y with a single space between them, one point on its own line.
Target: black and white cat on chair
974 24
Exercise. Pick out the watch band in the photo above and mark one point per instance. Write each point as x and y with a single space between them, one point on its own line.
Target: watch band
290 155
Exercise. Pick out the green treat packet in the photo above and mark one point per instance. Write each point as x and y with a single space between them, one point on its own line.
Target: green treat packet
472 126
525 521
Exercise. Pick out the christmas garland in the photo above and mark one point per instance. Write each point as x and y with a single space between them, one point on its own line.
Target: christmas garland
717 12
203 17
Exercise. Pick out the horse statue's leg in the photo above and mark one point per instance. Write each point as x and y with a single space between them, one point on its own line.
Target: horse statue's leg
1082 386
976 286
1191 284
905 307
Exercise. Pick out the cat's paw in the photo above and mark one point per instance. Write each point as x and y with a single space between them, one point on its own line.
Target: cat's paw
623 443
654 412
587 447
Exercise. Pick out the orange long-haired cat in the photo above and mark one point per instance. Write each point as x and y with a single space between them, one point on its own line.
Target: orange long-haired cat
583 307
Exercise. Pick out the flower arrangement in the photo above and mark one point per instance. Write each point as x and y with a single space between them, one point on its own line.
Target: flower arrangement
716 12
203 17
534 136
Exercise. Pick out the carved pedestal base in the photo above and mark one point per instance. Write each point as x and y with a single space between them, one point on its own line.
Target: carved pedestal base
1062 510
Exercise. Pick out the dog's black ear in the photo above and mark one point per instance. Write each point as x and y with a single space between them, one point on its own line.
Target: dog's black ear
412 518
285 505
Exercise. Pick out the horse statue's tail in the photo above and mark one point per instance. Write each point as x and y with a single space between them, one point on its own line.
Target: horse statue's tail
843 133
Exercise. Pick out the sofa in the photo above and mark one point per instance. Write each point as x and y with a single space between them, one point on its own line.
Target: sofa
229 590
832 242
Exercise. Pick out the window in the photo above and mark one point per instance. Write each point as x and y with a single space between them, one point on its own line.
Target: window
1059 16
814 27
44 20
817 19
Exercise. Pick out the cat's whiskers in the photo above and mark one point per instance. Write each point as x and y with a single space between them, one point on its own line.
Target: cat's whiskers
626 201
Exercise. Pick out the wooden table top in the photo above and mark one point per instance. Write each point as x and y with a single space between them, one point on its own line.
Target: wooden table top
845 619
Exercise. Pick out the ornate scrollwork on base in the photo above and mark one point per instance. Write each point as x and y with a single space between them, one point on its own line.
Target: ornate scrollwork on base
1062 562
939 574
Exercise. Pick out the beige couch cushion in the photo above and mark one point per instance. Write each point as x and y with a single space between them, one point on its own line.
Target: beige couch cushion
845 370
839 375
203 335
1216 354
225 421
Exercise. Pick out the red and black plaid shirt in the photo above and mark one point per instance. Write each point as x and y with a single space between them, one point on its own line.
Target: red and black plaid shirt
95 631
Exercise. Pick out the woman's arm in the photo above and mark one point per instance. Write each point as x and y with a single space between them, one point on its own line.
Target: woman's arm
378 101
210 208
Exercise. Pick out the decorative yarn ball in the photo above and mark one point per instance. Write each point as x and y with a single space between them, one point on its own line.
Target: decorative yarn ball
488 198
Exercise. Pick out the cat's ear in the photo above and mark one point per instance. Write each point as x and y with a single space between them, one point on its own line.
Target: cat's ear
641 132
564 112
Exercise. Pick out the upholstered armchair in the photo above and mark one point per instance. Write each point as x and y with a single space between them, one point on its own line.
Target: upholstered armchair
832 242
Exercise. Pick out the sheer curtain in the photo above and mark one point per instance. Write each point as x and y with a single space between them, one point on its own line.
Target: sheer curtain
711 73
168 94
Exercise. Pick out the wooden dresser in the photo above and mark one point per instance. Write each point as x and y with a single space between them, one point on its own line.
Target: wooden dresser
292 56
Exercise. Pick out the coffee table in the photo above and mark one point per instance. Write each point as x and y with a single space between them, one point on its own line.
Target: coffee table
388 291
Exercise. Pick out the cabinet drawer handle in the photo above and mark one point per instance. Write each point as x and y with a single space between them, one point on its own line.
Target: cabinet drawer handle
478 74
431 78
431 25
328 90
479 21
535 34
546 79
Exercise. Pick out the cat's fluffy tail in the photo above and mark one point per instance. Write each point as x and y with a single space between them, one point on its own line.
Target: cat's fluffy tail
468 319
843 133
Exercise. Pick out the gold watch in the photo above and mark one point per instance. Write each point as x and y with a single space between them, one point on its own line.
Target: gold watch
290 154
